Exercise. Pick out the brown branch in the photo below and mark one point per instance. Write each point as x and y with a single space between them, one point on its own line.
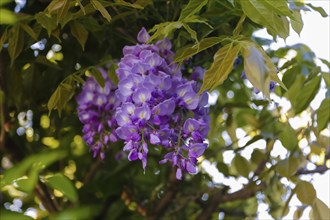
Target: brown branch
91 173
43 194
161 206
319 169
221 197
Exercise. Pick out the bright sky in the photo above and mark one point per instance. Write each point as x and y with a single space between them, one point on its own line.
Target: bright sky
315 34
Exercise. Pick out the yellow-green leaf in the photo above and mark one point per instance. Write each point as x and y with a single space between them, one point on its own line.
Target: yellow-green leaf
3 39
16 43
192 8
288 167
62 95
221 67
29 30
288 138
46 22
8 215
164 29
79 32
297 22
27 184
323 114
63 11
55 5
82 8
7 17
128 4
260 13
98 6
192 33
97 76
319 210
281 7
241 165
239 25
307 94
305 192
255 67
64 185
188 52
298 212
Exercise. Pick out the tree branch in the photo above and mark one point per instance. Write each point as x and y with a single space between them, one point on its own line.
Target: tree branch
319 169
220 197
165 201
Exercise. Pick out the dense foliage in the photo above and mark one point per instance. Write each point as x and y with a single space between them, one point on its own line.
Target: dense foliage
87 87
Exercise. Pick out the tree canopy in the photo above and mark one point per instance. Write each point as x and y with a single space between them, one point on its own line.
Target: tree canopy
113 109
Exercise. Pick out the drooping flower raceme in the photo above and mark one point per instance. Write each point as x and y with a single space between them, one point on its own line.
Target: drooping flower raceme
155 105
95 110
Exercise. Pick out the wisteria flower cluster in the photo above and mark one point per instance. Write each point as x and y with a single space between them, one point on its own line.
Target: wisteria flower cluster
153 105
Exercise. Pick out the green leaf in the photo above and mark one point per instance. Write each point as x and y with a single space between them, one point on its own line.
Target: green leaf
307 94
29 31
323 115
280 7
78 79
3 39
319 210
288 167
7 17
164 29
327 63
134 5
44 61
298 212
239 25
27 184
297 22
16 43
318 9
295 87
257 156
97 76
79 32
98 6
221 66
46 22
55 5
288 138
64 185
35 162
258 12
192 33
81 7
3 2
62 95
255 67
112 74
63 11
82 212
192 8
305 192
241 165
8 215
188 52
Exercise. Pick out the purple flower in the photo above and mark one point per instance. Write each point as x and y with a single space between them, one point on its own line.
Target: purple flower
143 36
143 112
153 105
141 95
